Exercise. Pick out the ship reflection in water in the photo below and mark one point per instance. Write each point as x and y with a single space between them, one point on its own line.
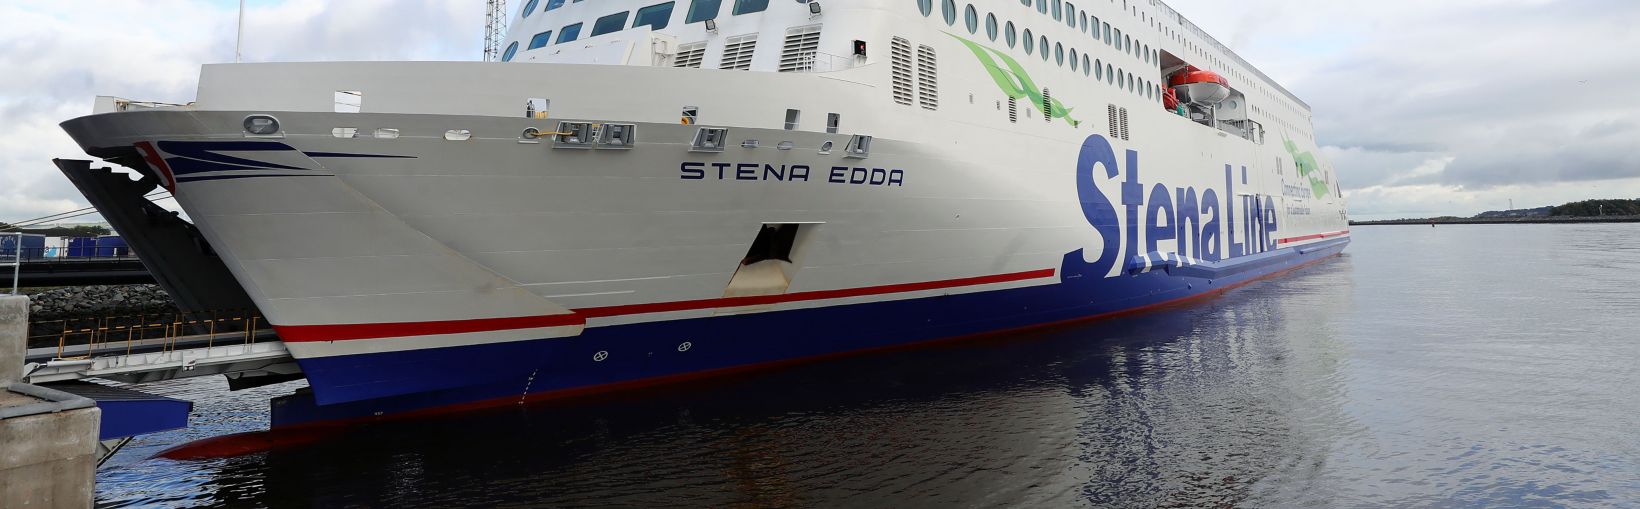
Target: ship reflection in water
1373 379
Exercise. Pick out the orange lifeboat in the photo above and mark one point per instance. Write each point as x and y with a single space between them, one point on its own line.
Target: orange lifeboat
1195 86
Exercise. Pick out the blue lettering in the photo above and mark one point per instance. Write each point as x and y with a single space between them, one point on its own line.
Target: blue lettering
1161 207
837 175
1096 209
1212 250
1189 223
692 171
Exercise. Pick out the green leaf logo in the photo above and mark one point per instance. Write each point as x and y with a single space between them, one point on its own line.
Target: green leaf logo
1307 167
1012 78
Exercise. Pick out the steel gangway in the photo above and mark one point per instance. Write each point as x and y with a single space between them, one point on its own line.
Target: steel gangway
143 349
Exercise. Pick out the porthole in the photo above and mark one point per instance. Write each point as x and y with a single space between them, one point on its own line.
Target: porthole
1030 41
1009 34
529 8
1147 53
1058 10
991 26
1098 70
1026 3
1043 43
948 9
1059 54
1042 6
1074 64
512 49
1087 69
1084 16
926 6
971 18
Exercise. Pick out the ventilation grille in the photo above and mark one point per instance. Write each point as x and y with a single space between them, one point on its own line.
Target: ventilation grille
737 52
1013 109
900 54
690 55
1115 130
1123 114
1047 106
799 52
928 90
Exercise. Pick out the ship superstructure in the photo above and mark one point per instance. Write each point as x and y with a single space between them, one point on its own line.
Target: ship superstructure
649 191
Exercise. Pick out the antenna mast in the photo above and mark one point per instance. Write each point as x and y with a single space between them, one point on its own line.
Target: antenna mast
495 29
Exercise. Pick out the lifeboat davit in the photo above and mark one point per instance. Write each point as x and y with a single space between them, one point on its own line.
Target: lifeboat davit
1196 86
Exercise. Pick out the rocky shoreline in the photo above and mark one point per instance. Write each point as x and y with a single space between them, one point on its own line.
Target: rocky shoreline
78 302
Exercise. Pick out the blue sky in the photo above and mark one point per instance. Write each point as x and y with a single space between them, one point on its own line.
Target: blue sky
1424 107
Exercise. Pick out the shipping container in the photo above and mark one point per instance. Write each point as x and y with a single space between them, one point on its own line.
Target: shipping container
82 247
33 246
111 246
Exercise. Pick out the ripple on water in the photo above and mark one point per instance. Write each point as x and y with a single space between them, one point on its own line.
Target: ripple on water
1456 366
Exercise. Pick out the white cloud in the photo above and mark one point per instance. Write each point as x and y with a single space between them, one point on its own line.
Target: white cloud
1511 96
59 55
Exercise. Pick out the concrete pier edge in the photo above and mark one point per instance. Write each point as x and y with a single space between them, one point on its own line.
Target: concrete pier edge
48 438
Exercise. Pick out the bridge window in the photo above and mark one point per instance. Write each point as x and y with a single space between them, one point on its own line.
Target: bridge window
655 16
554 4
610 23
750 6
529 8
569 33
540 39
702 10
512 49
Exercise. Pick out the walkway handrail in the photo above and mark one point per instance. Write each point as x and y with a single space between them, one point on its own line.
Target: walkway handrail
16 263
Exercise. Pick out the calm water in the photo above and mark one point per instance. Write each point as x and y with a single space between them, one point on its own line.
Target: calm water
1483 366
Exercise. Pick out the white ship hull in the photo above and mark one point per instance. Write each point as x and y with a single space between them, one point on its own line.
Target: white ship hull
425 252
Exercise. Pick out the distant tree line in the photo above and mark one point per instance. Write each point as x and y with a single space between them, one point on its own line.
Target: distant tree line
1590 208
60 231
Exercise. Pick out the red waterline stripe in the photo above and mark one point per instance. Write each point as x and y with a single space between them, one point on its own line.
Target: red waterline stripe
300 333
1312 237
342 332
757 300
315 431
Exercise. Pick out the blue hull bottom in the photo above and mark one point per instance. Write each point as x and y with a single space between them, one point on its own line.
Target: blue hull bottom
615 357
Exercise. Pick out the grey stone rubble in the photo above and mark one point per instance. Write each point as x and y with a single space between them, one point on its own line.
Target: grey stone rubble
98 300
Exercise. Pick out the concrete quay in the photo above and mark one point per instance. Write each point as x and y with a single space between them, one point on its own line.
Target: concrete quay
48 438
